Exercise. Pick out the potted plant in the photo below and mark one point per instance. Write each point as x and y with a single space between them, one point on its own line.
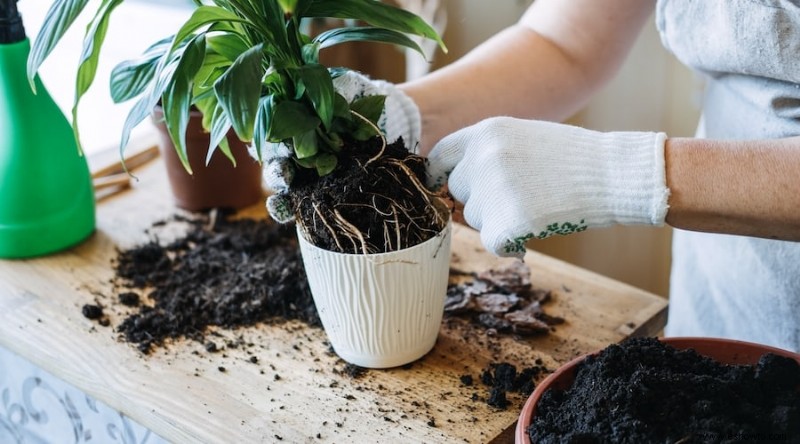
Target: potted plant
213 180
375 240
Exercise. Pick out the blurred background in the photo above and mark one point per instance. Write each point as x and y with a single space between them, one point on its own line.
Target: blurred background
653 92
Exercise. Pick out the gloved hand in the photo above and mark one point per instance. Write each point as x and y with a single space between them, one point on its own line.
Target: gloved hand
400 118
526 179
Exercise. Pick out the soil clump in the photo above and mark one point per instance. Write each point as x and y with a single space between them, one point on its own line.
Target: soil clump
502 378
223 272
643 390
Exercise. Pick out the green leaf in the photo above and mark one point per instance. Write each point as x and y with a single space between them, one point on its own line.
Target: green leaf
87 68
288 5
131 77
325 163
305 144
365 34
261 130
319 89
203 16
375 13
206 105
340 107
214 65
332 139
177 98
311 53
290 119
231 46
370 107
220 126
59 18
238 91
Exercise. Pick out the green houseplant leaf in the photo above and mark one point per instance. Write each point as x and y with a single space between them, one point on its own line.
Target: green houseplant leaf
220 125
87 69
59 18
247 66
238 90
130 78
176 99
319 89
364 34
289 119
377 14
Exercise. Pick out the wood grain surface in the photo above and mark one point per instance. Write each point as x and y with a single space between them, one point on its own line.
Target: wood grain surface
297 390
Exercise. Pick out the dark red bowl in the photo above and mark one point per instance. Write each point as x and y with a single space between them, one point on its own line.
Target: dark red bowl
726 351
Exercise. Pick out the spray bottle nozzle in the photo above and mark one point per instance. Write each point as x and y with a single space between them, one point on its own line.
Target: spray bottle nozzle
11 29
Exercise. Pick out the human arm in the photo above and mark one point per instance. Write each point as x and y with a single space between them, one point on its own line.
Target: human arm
747 188
544 67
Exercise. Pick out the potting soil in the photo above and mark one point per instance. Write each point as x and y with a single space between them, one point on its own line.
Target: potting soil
644 391
234 273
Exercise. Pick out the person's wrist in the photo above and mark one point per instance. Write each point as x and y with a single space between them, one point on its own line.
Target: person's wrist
635 177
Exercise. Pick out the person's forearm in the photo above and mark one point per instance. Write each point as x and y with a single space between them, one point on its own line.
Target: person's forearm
546 67
736 187
499 79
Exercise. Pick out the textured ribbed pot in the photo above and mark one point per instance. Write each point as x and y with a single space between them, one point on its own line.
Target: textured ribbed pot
380 310
726 351
216 185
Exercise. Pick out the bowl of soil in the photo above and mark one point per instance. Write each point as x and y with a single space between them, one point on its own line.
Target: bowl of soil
685 389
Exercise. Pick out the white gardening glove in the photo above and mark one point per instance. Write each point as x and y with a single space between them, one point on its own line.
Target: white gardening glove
400 118
525 179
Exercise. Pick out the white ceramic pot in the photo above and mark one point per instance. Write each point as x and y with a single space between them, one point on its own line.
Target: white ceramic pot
380 310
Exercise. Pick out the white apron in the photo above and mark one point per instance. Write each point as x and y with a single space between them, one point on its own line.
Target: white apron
749 50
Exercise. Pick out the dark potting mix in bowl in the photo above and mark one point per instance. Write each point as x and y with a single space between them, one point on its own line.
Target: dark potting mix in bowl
646 391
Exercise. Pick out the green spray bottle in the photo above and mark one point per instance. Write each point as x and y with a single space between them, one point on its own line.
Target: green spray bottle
46 195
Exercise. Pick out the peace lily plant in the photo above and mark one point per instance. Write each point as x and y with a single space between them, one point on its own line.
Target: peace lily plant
247 65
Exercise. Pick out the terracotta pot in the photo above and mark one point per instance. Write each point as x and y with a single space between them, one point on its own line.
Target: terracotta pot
726 351
216 185
380 310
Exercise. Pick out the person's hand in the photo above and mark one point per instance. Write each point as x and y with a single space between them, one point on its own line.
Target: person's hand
525 179
400 118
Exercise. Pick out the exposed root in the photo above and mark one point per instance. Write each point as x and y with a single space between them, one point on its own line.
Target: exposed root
372 202
378 133
327 225
352 229
424 192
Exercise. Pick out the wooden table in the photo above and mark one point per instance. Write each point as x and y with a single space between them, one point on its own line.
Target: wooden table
296 392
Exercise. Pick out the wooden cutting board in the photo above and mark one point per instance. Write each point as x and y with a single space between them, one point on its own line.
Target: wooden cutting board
297 391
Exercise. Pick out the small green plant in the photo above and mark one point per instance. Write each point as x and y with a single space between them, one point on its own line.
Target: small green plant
246 65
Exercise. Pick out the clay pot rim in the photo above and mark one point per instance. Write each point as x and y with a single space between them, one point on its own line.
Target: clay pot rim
683 342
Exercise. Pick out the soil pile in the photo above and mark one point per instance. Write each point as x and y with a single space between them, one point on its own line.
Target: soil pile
645 391
223 272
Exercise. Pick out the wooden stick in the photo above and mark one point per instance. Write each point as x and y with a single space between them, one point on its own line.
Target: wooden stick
121 180
134 161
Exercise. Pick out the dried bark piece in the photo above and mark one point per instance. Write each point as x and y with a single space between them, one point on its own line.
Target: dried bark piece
515 277
496 303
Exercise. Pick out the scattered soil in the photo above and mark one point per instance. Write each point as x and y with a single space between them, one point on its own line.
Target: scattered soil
224 272
374 201
227 273
92 311
503 377
646 391
502 300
